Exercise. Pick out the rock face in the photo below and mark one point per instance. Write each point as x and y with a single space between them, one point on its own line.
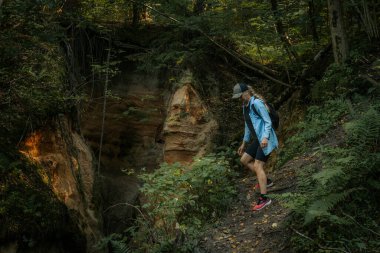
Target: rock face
189 126
132 141
134 118
67 167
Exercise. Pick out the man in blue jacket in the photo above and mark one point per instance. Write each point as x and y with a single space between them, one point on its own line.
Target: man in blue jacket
259 126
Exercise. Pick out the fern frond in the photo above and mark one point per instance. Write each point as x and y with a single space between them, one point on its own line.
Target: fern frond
365 132
324 176
119 247
321 207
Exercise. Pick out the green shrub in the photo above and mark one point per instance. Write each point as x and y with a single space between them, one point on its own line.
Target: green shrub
179 200
338 79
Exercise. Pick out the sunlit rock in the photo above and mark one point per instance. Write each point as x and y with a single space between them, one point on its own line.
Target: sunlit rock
189 126
66 165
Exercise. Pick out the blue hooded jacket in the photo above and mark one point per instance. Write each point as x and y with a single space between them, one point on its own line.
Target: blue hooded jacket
262 125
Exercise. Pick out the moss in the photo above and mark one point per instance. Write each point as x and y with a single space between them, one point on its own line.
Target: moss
29 211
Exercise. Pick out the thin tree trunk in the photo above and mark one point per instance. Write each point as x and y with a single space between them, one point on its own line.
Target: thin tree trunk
135 14
313 27
338 33
281 32
104 105
368 18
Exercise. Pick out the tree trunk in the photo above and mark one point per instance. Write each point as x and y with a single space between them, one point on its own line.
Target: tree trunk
338 33
280 30
199 7
313 27
368 16
135 14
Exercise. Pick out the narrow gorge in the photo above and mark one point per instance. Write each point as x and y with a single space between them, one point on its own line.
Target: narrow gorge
145 125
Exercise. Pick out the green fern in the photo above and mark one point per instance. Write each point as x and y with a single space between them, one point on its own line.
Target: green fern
326 175
365 132
119 247
321 207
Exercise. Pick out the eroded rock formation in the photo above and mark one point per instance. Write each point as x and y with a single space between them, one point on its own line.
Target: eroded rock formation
66 166
189 126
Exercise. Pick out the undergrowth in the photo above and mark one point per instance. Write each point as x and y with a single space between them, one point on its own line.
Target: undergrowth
29 212
178 202
317 123
336 208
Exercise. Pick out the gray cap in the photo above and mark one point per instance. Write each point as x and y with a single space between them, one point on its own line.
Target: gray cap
239 88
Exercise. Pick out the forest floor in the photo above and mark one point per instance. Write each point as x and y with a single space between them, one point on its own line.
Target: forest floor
265 231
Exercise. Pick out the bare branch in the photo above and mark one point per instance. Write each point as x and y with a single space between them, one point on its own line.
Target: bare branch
360 225
320 246
369 79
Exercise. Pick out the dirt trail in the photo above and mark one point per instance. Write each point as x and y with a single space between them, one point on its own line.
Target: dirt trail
265 231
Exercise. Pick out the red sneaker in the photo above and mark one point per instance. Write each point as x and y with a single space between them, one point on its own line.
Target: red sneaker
261 203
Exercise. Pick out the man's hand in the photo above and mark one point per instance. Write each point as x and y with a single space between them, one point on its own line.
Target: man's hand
264 143
241 149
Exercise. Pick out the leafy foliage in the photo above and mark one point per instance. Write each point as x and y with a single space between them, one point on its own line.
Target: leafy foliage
337 205
33 83
319 120
338 79
180 200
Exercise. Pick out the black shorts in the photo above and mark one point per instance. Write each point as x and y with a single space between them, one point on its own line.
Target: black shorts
256 152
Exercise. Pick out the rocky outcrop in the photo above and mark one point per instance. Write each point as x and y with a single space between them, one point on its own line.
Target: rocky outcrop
189 126
66 166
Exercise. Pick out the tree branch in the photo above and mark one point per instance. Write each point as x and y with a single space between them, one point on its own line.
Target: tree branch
320 246
258 68
236 56
369 79
360 225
